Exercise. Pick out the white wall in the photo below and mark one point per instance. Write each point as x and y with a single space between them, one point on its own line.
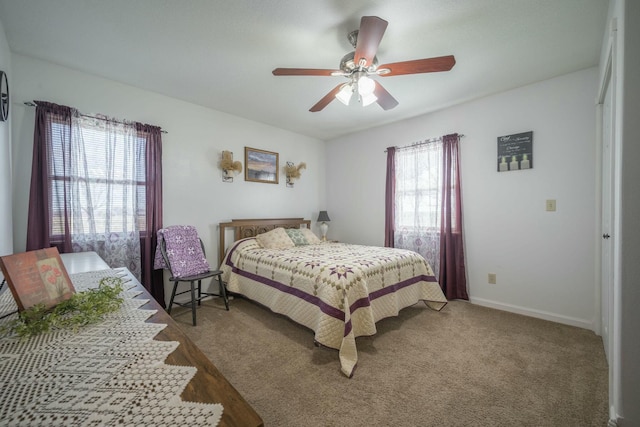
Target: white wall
6 223
543 260
193 189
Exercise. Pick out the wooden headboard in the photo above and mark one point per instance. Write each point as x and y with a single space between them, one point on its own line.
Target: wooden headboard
253 227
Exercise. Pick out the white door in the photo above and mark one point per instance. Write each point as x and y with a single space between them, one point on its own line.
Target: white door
607 215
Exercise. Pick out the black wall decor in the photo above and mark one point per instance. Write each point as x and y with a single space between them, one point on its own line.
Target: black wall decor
4 96
515 152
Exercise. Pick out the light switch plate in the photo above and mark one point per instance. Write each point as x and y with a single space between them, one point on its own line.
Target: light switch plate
551 205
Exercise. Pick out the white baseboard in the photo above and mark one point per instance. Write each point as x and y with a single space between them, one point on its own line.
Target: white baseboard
558 318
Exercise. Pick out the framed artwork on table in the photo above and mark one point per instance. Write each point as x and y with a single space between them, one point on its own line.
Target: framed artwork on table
37 277
260 165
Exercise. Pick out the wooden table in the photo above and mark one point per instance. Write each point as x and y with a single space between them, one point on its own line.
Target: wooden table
208 385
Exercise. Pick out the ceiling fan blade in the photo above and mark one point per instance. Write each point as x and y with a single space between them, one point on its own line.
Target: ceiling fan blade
385 100
429 65
326 99
370 34
303 72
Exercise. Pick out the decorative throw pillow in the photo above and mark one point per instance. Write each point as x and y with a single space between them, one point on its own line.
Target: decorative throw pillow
295 234
184 250
310 237
275 239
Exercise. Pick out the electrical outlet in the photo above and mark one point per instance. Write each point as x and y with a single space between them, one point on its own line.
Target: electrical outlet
492 278
551 205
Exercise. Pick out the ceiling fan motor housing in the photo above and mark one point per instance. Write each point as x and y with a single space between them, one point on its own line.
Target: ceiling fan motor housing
348 64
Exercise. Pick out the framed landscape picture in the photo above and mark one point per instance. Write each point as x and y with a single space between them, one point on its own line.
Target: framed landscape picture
260 165
36 277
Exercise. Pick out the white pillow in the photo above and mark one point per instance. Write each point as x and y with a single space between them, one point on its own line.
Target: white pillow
310 236
275 239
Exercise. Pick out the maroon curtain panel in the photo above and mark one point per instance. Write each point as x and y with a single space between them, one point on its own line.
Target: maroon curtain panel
453 277
152 280
39 230
390 199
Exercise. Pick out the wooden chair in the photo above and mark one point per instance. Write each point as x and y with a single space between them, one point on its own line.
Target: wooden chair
192 279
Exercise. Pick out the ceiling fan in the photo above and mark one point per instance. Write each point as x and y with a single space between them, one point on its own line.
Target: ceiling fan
358 65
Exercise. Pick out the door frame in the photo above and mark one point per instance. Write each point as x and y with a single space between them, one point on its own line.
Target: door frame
608 82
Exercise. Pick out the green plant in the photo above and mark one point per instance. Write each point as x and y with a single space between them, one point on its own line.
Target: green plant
83 308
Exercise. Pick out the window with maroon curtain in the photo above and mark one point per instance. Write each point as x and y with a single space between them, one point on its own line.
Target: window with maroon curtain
423 208
96 185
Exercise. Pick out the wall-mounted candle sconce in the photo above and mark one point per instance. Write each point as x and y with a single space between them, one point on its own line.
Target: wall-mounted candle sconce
229 167
292 172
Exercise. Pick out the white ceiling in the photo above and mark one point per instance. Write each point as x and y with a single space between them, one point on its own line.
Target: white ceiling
220 53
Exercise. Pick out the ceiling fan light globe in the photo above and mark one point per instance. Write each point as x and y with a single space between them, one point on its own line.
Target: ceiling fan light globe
366 86
368 99
345 93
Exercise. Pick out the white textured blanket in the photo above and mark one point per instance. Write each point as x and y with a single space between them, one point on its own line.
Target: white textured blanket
111 373
338 290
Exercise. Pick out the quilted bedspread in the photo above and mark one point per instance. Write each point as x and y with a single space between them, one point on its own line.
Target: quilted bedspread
337 290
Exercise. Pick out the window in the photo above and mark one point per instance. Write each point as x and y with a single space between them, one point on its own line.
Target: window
97 189
418 194
105 173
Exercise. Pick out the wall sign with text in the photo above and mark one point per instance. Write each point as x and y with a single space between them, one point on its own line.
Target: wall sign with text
515 152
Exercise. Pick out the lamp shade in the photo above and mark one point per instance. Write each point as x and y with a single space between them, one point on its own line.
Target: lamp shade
366 86
368 99
323 216
345 93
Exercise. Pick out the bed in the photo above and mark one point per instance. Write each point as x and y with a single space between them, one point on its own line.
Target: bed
337 290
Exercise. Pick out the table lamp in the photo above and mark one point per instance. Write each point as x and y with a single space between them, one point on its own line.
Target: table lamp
324 218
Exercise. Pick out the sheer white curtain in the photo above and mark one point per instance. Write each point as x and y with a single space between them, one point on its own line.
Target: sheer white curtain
418 198
107 190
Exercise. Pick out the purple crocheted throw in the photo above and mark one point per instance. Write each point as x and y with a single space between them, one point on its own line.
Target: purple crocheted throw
183 251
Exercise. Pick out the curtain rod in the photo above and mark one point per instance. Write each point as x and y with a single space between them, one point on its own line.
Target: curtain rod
426 141
33 104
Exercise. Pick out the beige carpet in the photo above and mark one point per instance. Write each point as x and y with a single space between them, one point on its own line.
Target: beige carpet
464 366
